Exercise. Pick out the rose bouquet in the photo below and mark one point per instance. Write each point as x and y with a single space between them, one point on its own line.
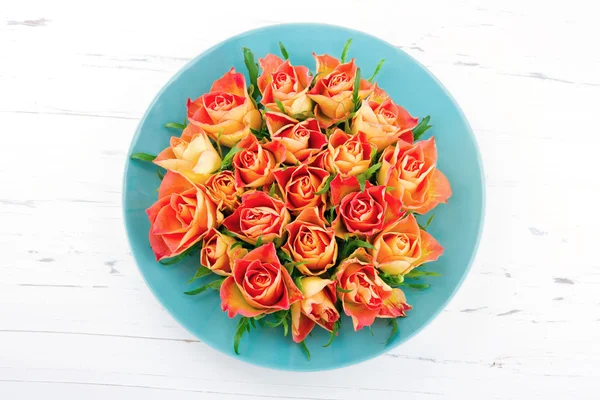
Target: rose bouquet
300 192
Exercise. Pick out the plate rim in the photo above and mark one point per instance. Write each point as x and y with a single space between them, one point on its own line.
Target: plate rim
309 368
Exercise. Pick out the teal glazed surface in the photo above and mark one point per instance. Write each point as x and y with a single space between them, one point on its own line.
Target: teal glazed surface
457 225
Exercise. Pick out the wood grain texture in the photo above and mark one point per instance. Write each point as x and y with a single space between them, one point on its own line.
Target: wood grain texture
76 319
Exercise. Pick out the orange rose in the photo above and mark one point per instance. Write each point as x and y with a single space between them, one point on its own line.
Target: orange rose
349 154
258 285
301 139
226 113
223 190
411 170
362 213
299 185
180 220
254 165
382 121
258 216
333 90
280 81
309 240
192 156
368 296
217 254
403 246
317 307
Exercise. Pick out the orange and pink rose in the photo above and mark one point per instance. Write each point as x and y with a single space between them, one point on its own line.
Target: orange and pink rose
302 140
224 191
383 121
334 90
258 285
317 307
362 213
410 169
365 295
299 187
310 241
258 216
217 253
403 246
180 219
283 82
226 113
348 154
254 164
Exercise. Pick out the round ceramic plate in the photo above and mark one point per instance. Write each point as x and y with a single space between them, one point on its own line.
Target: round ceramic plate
457 225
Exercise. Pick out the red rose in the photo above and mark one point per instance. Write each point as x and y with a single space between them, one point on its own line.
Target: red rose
299 185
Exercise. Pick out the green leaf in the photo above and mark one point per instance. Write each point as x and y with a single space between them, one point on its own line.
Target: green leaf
175 125
418 286
283 256
241 328
305 350
285 326
371 330
389 189
272 190
298 281
252 67
372 169
325 187
261 134
333 333
284 52
392 280
201 272
355 92
160 174
345 50
374 154
394 324
429 221
252 322
259 241
143 157
377 68
330 215
236 244
352 245
421 128
215 285
415 274
179 257
280 106
339 289
228 159
227 232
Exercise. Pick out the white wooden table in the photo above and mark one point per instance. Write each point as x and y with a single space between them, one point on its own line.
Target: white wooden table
78 322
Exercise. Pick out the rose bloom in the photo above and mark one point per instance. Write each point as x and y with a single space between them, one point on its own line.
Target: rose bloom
258 285
411 170
180 219
254 165
309 240
362 213
226 113
403 246
299 185
281 81
258 216
368 296
223 190
217 254
317 307
192 156
349 154
382 121
333 90
301 139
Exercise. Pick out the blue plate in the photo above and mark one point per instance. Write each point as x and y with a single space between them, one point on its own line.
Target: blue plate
457 225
